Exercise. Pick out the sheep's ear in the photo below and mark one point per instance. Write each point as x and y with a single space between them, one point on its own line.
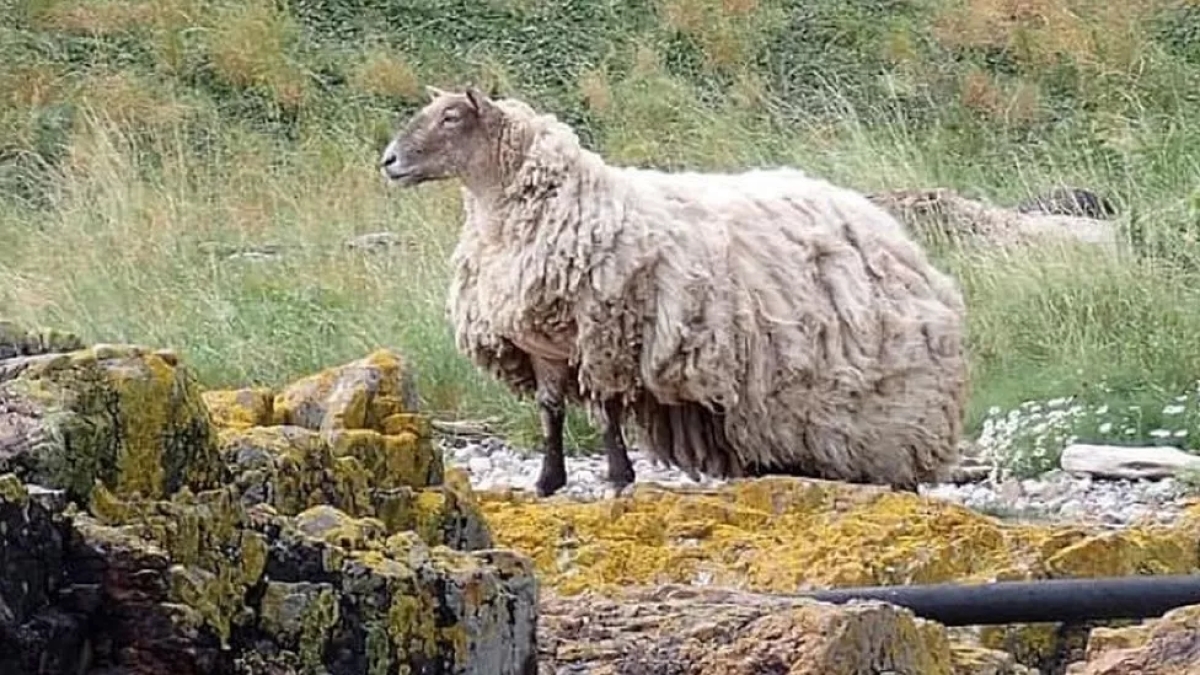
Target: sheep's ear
433 91
478 99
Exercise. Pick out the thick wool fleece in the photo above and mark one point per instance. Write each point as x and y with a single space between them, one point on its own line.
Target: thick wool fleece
759 322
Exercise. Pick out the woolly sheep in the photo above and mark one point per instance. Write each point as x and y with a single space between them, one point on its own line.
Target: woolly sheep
762 322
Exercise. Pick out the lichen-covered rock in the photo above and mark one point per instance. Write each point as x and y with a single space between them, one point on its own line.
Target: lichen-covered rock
784 534
393 460
403 607
695 630
199 585
447 514
1166 646
38 634
323 544
292 469
127 417
241 408
362 394
392 477
215 559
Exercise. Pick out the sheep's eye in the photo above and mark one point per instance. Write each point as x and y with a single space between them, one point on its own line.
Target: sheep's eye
450 117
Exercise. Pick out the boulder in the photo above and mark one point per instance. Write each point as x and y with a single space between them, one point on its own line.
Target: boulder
362 394
697 630
312 530
941 214
126 417
1166 646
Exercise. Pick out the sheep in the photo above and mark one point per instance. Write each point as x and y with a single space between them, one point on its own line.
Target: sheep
762 322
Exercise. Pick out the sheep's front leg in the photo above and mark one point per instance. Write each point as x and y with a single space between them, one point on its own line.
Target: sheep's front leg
552 380
620 469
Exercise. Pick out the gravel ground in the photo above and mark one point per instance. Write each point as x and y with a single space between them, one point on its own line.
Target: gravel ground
1055 496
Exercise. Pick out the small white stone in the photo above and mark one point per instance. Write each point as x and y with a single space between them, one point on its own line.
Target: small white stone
478 466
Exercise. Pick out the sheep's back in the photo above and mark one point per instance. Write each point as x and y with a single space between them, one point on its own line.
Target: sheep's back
786 298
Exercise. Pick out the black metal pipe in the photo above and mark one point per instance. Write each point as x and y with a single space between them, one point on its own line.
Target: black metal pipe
1050 600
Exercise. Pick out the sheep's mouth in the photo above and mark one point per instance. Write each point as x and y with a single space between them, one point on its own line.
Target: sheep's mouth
405 177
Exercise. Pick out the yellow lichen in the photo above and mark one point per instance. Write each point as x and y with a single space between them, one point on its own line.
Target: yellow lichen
340 529
780 535
302 614
143 386
298 466
356 395
215 560
120 414
12 490
391 461
240 408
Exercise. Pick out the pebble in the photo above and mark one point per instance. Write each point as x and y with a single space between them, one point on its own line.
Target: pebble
1055 496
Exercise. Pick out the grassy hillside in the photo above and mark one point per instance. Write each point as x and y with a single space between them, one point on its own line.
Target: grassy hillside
137 135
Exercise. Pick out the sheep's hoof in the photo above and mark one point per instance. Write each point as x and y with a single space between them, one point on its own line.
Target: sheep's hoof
620 479
549 482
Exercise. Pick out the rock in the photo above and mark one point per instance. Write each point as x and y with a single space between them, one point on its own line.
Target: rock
688 630
1166 646
1128 463
251 252
941 214
370 393
402 606
31 554
241 408
122 415
163 539
781 535
1069 202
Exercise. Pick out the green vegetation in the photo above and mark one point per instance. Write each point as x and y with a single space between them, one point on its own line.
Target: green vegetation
137 134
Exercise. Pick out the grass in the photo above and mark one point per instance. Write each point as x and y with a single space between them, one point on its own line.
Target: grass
134 135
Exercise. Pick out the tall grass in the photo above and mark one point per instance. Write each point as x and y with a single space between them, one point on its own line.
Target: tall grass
139 140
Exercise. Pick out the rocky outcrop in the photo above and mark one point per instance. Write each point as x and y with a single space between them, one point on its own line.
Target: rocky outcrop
694 630
782 535
308 530
1166 646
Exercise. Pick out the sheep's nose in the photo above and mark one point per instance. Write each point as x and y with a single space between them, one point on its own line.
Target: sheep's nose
389 159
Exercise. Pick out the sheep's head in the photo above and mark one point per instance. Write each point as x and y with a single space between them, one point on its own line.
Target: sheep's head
448 138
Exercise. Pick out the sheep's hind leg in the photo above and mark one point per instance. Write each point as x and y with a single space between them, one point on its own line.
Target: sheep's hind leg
552 379
620 469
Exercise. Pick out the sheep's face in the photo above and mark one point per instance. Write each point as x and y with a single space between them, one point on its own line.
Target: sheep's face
445 139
